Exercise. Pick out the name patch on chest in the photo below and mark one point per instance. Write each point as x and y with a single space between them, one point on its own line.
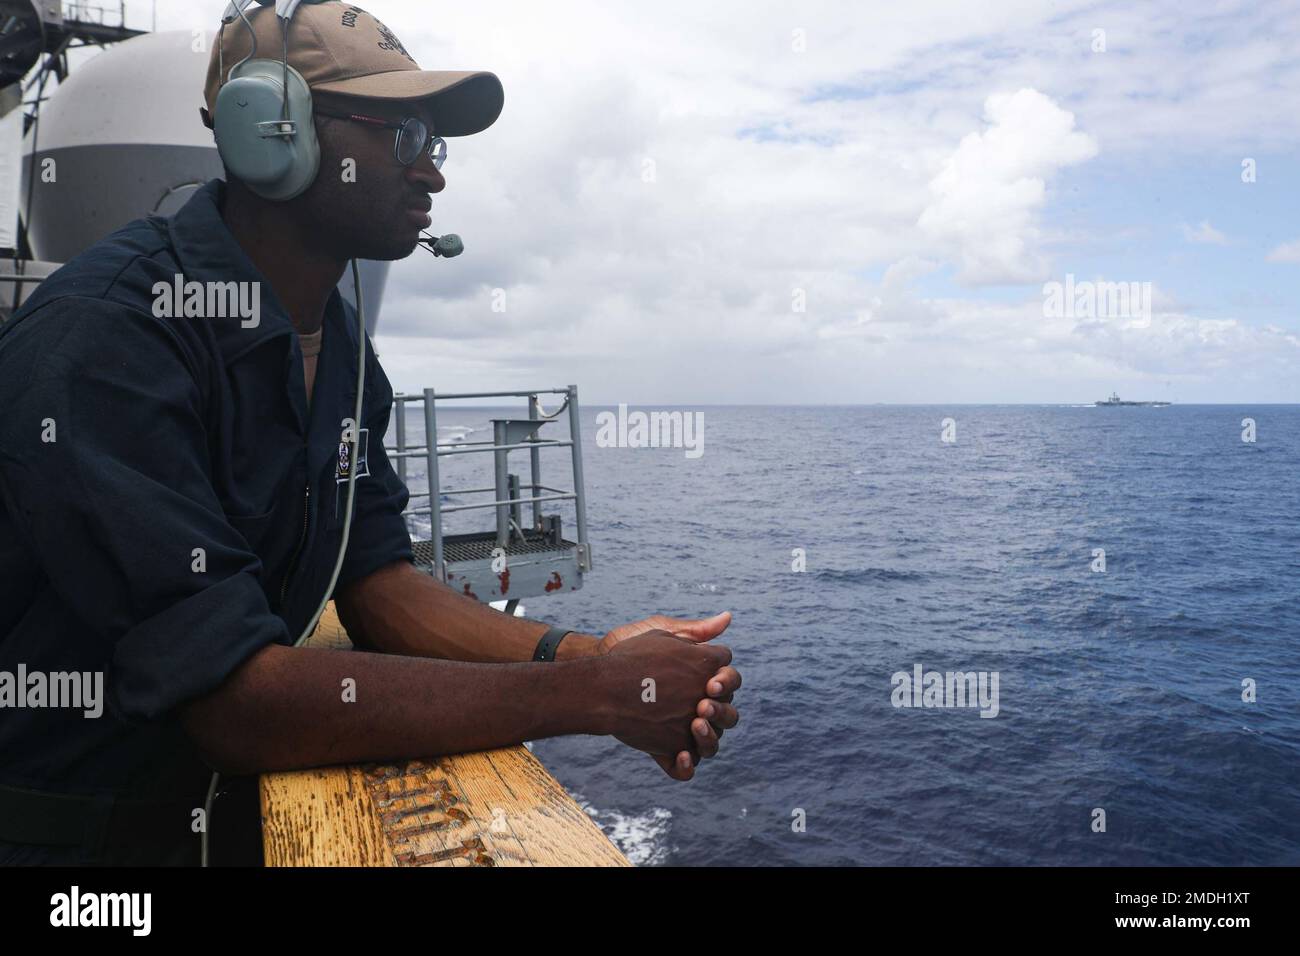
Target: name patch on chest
344 460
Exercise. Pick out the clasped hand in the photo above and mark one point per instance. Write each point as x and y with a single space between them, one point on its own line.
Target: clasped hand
715 712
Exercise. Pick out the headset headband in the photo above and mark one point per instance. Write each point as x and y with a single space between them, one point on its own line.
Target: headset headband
284 9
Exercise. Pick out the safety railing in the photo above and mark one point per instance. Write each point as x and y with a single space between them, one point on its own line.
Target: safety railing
507 496
96 13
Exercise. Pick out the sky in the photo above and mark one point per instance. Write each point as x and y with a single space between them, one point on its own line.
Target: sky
807 203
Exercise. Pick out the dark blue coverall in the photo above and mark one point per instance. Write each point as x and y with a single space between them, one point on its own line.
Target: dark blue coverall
170 435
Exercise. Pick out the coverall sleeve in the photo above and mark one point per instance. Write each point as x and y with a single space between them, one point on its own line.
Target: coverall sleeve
104 467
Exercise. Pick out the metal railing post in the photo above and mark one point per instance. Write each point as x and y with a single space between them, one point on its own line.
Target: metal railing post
579 484
535 459
514 493
500 466
435 494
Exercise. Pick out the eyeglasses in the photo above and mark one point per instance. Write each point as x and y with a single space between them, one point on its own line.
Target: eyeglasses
412 135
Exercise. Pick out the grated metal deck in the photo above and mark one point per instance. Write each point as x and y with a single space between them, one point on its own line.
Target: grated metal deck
479 547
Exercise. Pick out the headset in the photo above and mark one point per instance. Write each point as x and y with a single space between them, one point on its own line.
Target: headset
262 122
262 115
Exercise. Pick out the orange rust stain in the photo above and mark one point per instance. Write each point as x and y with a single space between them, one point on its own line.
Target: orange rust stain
473 849
554 584
504 577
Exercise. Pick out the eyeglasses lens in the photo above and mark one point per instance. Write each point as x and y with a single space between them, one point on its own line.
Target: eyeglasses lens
410 140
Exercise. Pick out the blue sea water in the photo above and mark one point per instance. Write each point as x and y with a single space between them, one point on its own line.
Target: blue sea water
1120 691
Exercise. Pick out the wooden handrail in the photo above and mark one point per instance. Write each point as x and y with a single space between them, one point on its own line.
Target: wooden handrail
494 808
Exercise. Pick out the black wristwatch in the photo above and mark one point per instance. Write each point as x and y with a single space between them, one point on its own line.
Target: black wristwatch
550 641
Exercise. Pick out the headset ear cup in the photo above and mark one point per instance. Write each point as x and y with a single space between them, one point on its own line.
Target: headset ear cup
277 168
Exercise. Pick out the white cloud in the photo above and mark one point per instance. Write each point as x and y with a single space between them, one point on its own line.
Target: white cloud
779 170
971 348
987 197
1286 252
1204 233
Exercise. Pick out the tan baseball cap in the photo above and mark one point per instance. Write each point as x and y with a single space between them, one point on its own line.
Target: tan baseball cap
340 48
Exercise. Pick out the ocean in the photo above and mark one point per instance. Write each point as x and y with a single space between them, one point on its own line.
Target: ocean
1146 706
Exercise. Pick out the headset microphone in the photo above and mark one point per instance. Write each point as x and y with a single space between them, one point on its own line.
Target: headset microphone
446 246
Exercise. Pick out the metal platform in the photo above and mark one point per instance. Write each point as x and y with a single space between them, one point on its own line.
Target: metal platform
539 564
515 559
31 28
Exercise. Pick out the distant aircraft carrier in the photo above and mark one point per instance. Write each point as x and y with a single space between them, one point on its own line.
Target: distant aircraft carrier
1116 400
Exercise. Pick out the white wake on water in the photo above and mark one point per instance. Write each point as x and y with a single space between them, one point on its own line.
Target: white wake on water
642 837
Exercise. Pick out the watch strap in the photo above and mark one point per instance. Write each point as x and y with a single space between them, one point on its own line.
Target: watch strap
550 641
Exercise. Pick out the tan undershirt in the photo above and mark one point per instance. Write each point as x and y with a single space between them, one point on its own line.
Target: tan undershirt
310 350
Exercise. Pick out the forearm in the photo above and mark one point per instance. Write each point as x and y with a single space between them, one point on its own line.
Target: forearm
289 708
402 610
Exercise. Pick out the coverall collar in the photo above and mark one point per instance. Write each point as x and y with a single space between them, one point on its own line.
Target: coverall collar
208 252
